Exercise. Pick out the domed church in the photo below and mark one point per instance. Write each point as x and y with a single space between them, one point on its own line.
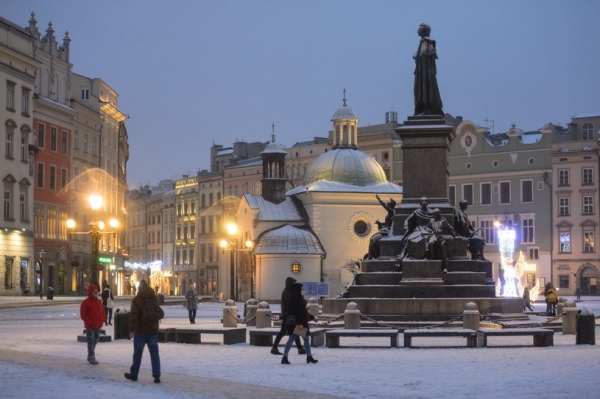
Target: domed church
312 231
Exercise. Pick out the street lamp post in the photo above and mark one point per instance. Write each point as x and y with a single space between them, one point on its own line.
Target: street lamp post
42 256
231 246
96 230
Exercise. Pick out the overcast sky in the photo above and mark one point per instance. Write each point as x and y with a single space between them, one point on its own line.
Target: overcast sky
193 73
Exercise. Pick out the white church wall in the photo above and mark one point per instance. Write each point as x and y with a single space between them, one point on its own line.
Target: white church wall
272 270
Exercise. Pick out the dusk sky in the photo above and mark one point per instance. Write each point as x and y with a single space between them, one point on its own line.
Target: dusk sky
191 73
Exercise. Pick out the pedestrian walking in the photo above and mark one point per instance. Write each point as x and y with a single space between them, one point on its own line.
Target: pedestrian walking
192 303
578 292
526 299
93 315
286 296
297 317
107 302
143 332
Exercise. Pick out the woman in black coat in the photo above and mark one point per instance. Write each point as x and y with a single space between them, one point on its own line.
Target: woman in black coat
297 315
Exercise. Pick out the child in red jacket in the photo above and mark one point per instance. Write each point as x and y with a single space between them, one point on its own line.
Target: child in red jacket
93 316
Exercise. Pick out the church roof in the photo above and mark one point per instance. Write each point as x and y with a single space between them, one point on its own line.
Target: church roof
345 165
285 211
288 239
325 186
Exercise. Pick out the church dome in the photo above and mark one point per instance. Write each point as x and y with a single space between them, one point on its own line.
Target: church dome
345 165
344 112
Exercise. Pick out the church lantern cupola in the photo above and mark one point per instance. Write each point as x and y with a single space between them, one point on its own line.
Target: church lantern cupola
345 124
273 181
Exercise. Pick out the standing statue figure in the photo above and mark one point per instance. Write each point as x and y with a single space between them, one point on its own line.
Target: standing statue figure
442 233
463 228
427 94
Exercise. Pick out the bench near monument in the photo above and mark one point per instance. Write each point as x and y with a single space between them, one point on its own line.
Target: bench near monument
541 336
264 336
470 335
332 337
231 335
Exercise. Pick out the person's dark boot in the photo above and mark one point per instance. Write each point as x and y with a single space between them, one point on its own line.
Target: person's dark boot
310 359
301 351
130 377
284 360
275 351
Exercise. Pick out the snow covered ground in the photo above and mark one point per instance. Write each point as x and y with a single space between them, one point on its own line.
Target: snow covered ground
40 357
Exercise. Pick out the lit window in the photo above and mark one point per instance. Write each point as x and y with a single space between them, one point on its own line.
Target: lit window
565 242
296 268
588 241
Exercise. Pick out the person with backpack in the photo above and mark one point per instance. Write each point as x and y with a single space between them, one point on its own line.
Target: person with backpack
143 328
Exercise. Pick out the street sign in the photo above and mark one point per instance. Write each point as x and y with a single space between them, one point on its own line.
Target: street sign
315 289
105 259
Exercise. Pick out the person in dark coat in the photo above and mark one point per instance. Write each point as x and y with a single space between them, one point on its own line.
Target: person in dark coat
297 309
192 303
107 293
143 333
92 313
286 296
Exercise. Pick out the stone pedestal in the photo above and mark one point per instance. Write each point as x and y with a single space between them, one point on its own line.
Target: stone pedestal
421 272
425 146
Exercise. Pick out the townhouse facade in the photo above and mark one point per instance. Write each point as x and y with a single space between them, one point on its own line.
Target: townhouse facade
575 163
18 66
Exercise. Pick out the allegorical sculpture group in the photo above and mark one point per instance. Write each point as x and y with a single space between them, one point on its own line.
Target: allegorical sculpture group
427 234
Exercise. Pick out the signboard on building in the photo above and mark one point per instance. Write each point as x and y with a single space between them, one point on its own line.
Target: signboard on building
315 289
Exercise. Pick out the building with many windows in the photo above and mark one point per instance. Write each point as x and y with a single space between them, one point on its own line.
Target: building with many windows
505 178
18 68
52 116
575 161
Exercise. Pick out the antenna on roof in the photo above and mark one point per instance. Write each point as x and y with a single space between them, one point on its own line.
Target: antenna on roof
489 121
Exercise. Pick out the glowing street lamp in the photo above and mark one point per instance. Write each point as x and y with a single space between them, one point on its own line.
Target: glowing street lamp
96 230
231 245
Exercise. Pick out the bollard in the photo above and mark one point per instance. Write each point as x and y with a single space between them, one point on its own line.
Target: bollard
569 320
230 314
251 306
352 316
313 307
471 316
560 306
263 315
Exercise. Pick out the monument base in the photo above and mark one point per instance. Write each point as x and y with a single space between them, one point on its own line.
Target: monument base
422 308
